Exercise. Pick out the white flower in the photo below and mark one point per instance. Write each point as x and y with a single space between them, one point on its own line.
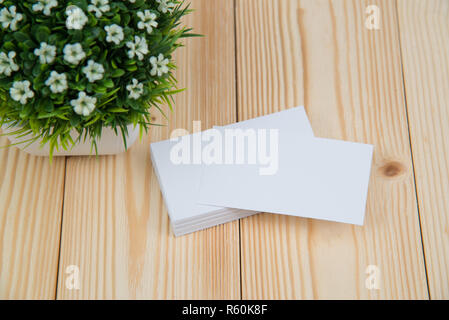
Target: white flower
93 71
84 105
73 53
114 33
135 89
7 64
76 18
46 53
159 65
148 20
99 7
57 82
132 1
165 6
45 6
9 18
20 91
137 48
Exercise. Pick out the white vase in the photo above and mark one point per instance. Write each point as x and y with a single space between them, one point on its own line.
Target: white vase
108 144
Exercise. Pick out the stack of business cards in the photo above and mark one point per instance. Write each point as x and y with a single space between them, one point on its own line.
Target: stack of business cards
179 164
179 183
268 164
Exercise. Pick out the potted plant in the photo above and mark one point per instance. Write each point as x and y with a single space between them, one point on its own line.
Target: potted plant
84 75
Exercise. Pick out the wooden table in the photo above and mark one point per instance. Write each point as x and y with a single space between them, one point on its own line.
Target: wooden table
388 87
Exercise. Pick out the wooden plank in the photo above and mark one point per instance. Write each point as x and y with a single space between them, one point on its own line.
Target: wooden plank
319 53
115 225
31 193
423 31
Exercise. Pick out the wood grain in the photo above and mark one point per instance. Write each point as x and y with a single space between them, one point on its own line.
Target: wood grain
319 53
115 225
31 192
424 33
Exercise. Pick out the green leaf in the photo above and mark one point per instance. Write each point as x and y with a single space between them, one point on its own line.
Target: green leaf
49 106
42 34
36 70
117 73
117 110
26 111
29 43
77 35
96 51
93 21
5 83
108 83
100 89
20 36
121 6
130 62
53 38
95 119
80 86
131 68
28 64
116 19
45 115
75 120
45 91
8 46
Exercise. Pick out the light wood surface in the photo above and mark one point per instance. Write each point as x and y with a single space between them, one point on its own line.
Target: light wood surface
115 225
424 33
31 192
349 78
387 87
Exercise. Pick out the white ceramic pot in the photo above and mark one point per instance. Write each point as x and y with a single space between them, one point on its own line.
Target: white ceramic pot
110 143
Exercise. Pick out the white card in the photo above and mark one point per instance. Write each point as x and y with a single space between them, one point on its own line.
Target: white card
316 178
180 182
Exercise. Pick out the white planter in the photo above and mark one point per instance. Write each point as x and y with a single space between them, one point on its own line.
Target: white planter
110 143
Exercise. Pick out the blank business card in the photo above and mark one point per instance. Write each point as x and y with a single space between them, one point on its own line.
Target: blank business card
180 182
315 178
